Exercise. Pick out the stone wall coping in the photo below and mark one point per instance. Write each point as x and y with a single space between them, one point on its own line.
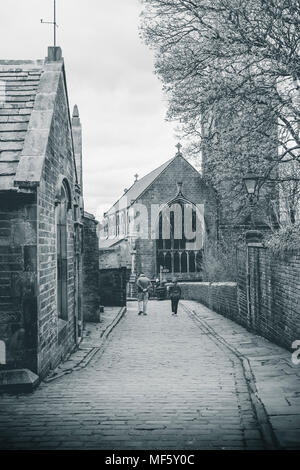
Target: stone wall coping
208 284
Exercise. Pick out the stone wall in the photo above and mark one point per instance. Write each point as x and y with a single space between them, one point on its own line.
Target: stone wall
112 284
266 298
116 256
91 295
41 213
18 275
274 300
218 296
56 337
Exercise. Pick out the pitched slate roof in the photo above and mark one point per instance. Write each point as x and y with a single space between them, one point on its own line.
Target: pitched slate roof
136 190
19 81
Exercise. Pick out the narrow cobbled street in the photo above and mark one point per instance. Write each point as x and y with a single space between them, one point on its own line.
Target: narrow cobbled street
161 383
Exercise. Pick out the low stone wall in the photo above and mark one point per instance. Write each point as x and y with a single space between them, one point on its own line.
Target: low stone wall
274 296
218 296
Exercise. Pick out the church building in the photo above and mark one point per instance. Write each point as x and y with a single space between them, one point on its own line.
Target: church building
163 222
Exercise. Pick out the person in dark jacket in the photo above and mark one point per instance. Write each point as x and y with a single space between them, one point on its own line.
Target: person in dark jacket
175 294
143 286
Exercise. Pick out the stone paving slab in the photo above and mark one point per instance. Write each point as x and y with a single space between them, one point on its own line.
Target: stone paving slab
160 383
277 379
93 335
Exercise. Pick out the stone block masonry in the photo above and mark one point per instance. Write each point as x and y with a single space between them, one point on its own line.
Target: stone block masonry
41 215
274 295
218 296
56 335
266 298
40 250
268 295
18 274
91 296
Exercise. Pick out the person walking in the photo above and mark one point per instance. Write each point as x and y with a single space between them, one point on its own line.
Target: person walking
175 295
143 286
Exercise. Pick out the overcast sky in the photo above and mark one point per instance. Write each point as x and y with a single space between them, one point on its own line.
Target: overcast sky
110 77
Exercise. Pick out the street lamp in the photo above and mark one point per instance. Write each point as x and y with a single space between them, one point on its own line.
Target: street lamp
251 182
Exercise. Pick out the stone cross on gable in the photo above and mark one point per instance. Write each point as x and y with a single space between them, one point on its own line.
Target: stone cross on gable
179 147
136 177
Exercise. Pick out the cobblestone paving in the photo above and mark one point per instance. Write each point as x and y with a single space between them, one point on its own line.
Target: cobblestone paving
160 383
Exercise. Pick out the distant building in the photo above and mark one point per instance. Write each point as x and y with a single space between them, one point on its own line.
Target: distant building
149 222
41 215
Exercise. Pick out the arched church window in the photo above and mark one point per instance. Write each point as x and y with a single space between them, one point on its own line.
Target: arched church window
63 205
168 262
192 264
184 265
160 237
160 261
176 245
199 261
176 262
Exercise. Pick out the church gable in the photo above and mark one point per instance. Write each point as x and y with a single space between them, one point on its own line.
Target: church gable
164 187
138 188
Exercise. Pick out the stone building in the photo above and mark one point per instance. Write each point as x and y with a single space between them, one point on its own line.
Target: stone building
41 215
151 219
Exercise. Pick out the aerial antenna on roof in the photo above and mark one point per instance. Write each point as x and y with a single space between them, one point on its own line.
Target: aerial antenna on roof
55 25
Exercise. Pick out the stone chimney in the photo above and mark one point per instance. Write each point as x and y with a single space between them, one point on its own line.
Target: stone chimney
77 139
54 54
